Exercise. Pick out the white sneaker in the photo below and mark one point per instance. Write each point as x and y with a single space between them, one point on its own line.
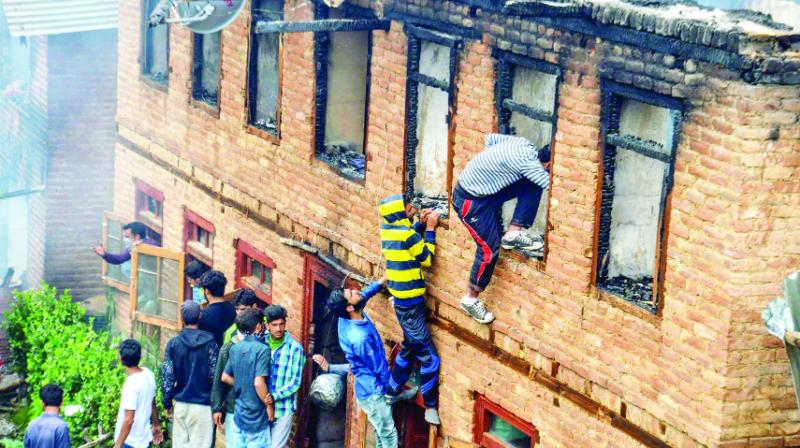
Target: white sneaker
521 240
476 310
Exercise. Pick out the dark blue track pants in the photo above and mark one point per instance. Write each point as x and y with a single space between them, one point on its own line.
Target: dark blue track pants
482 218
417 346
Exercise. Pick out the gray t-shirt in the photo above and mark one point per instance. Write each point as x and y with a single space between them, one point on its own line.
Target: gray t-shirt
249 359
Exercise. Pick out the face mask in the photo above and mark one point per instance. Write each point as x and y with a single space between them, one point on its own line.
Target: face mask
262 335
127 242
198 295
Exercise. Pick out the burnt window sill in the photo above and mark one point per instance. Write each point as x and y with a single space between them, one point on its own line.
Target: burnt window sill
268 135
438 204
350 166
265 125
209 108
637 293
158 81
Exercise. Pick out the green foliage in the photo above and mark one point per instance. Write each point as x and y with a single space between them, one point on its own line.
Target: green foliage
8 443
51 343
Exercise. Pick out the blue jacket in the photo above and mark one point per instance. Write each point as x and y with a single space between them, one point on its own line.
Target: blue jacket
363 348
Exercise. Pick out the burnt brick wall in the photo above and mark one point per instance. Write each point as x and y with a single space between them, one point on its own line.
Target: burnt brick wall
81 102
561 355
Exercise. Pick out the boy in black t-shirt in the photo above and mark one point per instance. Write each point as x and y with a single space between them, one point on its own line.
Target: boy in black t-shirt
219 315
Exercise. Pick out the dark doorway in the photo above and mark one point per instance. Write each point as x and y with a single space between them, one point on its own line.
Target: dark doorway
320 428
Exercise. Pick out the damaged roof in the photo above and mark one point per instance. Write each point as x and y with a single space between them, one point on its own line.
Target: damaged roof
736 31
44 17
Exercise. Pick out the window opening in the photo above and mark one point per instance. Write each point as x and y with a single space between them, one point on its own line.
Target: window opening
206 67
343 73
150 209
199 238
527 100
254 271
640 132
432 58
497 428
264 70
155 47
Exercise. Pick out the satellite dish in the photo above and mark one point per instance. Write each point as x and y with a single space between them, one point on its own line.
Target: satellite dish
200 16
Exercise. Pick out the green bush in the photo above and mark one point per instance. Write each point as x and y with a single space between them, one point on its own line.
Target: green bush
51 343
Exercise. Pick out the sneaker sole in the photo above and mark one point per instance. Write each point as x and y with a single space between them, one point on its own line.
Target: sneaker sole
481 321
528 248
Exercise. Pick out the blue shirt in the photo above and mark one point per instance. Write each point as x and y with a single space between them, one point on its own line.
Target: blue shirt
47 431
249 359
363 348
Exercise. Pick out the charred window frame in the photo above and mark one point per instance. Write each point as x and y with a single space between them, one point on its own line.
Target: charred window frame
206 68
254 270
264 69
515 108
154 54
496 427
344 153
150 209
417 114
621 149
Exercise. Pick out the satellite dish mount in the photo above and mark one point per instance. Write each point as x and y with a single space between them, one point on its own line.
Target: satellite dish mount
200 16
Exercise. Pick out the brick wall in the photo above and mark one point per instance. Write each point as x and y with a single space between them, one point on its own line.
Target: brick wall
81 106
585 368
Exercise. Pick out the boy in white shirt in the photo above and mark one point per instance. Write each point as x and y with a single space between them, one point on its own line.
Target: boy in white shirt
137 419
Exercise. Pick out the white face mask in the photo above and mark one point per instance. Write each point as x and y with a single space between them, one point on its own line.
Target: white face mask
127 242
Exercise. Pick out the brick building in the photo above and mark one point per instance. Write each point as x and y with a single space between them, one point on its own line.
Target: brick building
672 216
57 134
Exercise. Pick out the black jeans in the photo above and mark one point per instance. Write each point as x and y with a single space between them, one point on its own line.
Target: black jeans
417 346
481 216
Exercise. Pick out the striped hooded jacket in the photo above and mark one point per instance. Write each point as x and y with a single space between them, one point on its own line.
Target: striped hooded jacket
405 251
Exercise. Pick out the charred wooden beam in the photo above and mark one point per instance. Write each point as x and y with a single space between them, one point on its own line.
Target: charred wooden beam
321 26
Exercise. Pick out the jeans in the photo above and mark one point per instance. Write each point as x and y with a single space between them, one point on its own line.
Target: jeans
192 426
379 414
231 431
417 346
252 439
280 430
481 217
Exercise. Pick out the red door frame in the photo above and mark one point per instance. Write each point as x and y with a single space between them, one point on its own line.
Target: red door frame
314 270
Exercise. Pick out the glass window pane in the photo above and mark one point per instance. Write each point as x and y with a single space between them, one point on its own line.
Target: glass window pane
432 150
115 245
508 433
157 287
255 269
635 215
434 61
534 88
647 122
345 115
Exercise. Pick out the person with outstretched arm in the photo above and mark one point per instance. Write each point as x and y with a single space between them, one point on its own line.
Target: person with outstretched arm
363 348
509 167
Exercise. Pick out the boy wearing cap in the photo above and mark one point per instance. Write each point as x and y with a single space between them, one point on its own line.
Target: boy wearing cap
186 377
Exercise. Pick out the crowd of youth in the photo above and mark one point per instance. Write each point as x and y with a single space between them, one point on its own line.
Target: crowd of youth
234 365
